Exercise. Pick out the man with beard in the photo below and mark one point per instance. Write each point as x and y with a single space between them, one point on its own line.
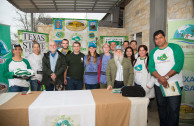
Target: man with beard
65 47
54 66
119 70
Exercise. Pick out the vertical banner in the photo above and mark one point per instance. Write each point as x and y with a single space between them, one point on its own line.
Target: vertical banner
81 30
182 32
26 39
5 49
108 39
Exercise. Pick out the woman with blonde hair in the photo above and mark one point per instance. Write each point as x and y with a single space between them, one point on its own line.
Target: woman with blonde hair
104 58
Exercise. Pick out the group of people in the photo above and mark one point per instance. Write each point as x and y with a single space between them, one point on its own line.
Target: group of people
116 67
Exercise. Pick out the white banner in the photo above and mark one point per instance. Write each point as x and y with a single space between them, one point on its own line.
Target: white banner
70 108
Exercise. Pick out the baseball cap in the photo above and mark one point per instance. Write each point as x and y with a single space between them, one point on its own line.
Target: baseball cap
92 44
118 47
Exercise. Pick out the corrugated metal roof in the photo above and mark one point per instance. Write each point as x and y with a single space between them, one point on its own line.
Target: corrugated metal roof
55 6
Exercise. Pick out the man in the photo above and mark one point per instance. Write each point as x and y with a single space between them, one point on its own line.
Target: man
133 45
75 68
54 66
35 60
165 64
65 51
119 70
113 44
125 44
65 45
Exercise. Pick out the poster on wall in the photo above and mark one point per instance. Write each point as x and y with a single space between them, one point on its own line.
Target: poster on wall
108 39
82 30
26 39
181 32
5 49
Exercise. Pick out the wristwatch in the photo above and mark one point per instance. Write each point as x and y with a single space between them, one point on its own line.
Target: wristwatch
167 77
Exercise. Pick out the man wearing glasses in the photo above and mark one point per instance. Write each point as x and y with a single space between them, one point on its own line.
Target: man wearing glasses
75 68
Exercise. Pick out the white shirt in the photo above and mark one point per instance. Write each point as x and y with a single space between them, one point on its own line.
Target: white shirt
138 70
119 75
36 65
13 65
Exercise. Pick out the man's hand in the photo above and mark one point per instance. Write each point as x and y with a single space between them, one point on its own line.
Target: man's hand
162 80
53 76
109 87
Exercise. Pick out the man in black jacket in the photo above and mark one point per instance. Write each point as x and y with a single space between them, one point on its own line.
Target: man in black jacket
54 66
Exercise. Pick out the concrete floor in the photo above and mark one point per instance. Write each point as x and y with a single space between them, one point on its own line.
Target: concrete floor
153 118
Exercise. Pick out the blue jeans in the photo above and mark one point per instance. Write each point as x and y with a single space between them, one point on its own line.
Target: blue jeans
49 87
168 108
18 89
35 86
91 86
74 84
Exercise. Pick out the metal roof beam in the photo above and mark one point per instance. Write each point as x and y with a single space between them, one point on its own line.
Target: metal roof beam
65 11
74 5
34 4
14 4
94 5
55 5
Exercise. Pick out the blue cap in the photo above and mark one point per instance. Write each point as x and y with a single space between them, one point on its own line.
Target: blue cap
92 44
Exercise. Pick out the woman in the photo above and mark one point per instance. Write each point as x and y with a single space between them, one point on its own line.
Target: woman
14 64
91 64
104 58
142 77
129 54
35 60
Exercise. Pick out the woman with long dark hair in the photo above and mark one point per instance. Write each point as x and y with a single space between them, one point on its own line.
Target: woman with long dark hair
129 54
91 64
142 76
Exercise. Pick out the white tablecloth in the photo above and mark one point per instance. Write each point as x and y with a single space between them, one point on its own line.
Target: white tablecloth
75 107
138 115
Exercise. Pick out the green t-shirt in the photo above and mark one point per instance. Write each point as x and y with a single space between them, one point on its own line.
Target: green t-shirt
75 63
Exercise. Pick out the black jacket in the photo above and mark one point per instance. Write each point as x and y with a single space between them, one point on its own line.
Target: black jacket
59 69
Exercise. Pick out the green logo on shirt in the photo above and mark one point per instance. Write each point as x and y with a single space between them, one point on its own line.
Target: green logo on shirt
162 58
138 67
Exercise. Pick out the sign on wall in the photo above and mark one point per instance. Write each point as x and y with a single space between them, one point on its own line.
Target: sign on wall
108 39
83 31
26 39
181 32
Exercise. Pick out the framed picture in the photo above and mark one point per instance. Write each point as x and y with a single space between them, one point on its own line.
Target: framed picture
58 42
91 35
92 25
58 24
